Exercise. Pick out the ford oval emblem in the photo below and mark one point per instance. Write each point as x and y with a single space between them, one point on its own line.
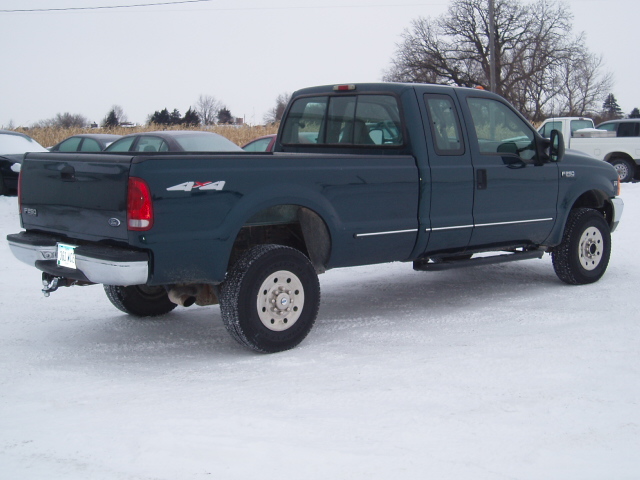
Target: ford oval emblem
114 222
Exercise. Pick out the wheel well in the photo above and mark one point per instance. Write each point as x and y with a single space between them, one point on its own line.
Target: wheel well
598 201
615 155
290 225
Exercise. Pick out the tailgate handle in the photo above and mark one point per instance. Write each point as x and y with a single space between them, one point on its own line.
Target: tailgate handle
68 174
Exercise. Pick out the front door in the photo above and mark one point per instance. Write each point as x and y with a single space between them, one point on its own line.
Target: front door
515 193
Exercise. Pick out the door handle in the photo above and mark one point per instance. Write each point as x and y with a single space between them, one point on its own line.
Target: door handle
481 179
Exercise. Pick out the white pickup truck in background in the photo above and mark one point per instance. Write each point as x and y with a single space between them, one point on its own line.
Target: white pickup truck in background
615 141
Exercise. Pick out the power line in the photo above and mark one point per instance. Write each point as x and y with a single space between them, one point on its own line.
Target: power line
66 9
178 2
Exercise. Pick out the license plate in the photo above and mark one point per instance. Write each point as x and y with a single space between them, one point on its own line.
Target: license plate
66 256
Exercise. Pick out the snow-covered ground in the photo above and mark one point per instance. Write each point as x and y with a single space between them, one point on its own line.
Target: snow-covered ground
493 373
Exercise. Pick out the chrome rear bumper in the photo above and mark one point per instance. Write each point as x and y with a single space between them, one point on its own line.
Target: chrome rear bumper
95 263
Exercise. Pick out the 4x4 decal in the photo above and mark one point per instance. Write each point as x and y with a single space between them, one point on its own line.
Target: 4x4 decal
188 186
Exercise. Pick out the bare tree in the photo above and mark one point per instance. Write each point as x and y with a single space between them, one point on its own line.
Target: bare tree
275 114
538 60
207 108
64 120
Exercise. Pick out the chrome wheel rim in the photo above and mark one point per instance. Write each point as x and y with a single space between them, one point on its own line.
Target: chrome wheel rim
591 248
280 301
622 169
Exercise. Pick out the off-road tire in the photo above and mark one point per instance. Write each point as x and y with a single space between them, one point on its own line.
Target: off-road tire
625 168
140 300
259 288
583 255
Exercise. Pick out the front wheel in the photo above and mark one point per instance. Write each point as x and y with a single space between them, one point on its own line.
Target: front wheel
583 255
270 298
625 168
140 300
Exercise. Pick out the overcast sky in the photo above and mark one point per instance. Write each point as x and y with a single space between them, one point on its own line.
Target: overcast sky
244 53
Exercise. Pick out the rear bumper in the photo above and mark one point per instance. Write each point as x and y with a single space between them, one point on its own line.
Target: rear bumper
95 263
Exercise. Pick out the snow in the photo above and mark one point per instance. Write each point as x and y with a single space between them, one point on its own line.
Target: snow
499 372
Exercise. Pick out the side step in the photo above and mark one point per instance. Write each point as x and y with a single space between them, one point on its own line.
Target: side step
449 262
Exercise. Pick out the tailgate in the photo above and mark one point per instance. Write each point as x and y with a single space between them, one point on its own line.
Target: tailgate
82 196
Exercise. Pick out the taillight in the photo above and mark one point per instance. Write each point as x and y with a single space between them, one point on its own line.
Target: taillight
139 205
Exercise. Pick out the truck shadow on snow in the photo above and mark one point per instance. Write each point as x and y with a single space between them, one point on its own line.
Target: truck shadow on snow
351 299
390 292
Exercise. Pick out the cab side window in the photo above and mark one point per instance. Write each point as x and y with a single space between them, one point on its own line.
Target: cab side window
445 126
499 130
546 129
628 129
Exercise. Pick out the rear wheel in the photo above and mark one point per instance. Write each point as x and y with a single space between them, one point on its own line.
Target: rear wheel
140 300
270 299
625 168
583 255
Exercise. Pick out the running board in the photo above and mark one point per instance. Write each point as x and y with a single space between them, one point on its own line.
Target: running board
426 266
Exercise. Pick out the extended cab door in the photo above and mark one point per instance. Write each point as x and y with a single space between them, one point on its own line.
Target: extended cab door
515 191
448 212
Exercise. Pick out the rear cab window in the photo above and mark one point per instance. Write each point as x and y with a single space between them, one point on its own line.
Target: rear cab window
576 125
363 120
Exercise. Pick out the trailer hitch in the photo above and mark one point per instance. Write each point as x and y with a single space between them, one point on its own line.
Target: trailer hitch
50 283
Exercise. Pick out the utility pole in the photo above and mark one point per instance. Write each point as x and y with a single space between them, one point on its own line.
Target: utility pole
492 48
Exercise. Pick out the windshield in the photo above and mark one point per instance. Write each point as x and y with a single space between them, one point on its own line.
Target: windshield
13 144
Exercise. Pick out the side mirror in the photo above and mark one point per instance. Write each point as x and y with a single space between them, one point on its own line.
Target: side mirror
556 146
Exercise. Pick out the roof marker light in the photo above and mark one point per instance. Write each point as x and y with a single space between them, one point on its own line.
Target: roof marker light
344 88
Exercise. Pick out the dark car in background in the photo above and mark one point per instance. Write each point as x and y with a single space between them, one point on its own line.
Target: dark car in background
173 141
86 142
261 144
13 146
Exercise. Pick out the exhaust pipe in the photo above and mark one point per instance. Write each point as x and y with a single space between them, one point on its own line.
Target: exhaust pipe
187 295
183 295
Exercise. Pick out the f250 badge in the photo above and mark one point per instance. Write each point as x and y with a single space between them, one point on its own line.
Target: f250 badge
188 186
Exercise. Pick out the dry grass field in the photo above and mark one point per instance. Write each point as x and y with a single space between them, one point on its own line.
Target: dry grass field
47 137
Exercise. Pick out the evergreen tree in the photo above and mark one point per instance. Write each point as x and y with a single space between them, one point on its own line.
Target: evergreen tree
111 120
610 108
635 113
175 118
224 116
191 118
161 117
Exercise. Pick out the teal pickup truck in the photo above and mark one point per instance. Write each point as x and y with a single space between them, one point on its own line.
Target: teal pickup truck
438 176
